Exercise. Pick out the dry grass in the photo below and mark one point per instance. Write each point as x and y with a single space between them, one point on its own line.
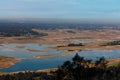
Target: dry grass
6 62
61 34
53 55
113 62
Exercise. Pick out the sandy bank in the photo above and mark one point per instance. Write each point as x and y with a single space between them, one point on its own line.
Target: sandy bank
6 62
33 50
20 46
114 62
53 55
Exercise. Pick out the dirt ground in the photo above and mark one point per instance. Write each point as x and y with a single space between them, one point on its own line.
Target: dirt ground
6 62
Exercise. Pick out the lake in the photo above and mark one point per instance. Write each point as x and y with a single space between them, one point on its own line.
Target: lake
30 63
77 40
82 40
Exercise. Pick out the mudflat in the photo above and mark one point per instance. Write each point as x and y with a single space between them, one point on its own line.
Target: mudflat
34 50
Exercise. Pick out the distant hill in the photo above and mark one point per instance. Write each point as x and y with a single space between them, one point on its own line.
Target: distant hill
24 28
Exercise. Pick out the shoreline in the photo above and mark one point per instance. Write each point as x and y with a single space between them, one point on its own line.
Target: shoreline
40 70
52 55
111 62
55 37
7 62
58 36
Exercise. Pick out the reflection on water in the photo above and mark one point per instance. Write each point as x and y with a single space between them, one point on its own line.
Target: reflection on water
30 63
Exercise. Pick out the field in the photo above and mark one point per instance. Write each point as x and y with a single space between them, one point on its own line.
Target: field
54 36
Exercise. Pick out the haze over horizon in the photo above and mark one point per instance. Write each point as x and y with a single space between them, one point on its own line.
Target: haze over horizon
96 10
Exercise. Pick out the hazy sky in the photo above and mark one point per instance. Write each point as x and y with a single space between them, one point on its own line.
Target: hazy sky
60 9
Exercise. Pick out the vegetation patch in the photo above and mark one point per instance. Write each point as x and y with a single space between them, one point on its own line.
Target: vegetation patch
69 31
112 43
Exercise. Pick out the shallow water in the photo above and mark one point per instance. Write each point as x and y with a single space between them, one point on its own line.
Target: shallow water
82 40
36 64
11 50
30 63
78 40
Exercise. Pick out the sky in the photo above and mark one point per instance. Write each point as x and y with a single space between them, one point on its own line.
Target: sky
68 9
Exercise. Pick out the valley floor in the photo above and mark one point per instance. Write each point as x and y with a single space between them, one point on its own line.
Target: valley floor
61 38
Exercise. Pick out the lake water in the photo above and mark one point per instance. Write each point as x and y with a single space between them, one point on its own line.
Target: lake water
77 40
30 63
82 40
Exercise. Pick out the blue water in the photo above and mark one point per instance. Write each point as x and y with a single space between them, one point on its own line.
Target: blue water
36 64
78 40
94 54
30 63
11 50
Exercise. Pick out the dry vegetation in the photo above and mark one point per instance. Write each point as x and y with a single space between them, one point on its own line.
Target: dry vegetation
59 37
20 46
54 36
53 55
6 62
